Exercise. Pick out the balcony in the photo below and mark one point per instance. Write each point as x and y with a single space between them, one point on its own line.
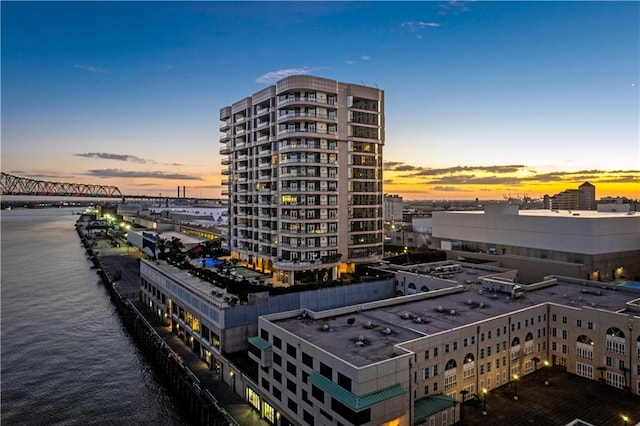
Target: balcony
225 126
224 138
226 150
305 100
225 161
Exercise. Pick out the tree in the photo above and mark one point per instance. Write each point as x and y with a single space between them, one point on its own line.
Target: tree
162 248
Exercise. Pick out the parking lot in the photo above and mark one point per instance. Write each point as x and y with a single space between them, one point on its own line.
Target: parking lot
566 398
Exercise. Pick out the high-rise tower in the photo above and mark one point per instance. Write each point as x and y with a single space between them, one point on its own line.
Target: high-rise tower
304 178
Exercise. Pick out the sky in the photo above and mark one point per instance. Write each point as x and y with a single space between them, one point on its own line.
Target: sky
482 99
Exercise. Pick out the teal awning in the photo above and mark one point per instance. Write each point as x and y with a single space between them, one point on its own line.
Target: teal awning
351 400
259 342
430 405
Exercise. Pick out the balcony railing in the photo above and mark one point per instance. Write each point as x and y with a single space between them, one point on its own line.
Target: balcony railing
294 99
306 130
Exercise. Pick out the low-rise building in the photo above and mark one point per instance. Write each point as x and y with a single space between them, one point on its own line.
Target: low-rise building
411 360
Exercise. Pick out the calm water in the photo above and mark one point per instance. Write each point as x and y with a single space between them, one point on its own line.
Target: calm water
66 358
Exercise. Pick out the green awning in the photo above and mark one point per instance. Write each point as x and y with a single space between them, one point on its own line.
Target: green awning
430 405
259 342
351 400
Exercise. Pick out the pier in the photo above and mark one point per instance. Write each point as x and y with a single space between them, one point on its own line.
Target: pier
203 396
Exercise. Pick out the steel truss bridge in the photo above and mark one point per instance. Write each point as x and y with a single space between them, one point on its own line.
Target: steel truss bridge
16 185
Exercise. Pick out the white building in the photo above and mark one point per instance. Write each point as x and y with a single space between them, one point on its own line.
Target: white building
410 360
597 245
304 178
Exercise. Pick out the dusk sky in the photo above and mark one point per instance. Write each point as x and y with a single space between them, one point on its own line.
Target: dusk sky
483 99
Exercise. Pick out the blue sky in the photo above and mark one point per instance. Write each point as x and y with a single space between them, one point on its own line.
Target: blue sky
481 97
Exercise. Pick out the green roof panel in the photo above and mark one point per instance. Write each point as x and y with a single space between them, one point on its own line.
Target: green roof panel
259 342
351 400
430 405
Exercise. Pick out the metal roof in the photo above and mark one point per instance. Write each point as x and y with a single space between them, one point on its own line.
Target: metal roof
351 400
259 342
430 405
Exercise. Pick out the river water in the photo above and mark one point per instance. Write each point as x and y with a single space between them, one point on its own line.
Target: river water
65 357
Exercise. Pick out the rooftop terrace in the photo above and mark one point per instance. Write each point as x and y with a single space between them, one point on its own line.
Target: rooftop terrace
368 333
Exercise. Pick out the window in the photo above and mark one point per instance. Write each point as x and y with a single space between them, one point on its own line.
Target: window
564 334
446 348
564 319
426 354
291 368
554 317
308 418
264 334
291 386
277 359
307 360
317 393
435 370
326 371
292 405
277 376
579 323
344 381
277 342
590 325
435 352
291 351
425 373
265 384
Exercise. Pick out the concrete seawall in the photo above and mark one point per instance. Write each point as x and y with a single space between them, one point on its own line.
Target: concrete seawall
199 406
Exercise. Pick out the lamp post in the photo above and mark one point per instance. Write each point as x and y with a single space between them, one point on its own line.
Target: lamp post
515 386
535 360
625 420
464 393
546 372
485 392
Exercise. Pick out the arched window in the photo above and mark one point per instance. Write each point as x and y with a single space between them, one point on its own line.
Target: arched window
412 286
615 340
528 343
450 374
469 366
424 288
515 349
584 347
615 332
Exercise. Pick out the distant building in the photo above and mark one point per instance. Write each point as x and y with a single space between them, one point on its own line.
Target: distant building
393 208
586 197
304 178
598 245
583 198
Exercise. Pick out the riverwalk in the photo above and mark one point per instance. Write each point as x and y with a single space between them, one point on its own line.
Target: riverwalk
121 264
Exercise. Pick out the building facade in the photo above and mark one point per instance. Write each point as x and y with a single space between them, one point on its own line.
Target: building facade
598 245
412 360
393 208
304 178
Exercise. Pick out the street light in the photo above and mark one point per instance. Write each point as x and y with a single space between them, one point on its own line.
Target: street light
464 393
515 386
546 372
625 420
484 401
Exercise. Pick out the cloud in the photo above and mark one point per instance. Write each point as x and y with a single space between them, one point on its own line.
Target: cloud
119 173
365 57
117 157
448 189
273 76
349 62
89 68
453 6
414 26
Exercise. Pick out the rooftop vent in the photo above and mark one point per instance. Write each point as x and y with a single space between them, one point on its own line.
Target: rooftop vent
351 321
405 315
325 327
453 312
386 331
369 324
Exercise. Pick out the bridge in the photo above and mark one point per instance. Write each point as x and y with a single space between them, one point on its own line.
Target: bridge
16 185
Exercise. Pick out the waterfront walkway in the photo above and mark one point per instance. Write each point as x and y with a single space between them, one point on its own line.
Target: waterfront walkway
123 261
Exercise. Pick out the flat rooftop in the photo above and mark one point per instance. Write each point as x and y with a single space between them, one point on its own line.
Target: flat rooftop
379 329
559 213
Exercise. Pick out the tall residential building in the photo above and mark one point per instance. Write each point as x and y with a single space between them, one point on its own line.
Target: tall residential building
587 197
393 208
304 178
583 198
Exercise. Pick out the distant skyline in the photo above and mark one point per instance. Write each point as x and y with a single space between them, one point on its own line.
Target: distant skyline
483 99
